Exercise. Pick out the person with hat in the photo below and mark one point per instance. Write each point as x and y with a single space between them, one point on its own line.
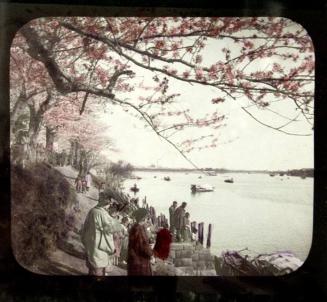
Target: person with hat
139 250
97 236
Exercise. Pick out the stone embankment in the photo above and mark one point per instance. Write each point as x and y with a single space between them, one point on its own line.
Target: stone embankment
187 259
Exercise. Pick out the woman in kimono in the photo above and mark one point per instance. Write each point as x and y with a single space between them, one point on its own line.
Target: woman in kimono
139 251
97 237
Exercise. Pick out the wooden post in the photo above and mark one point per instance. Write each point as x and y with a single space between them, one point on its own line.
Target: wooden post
209 236
200 232
153 215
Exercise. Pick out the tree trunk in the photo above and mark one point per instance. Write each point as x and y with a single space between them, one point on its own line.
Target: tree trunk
49 137
14 114
76 155
33 133
82 167
71 153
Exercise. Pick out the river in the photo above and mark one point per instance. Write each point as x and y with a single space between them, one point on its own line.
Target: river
259 212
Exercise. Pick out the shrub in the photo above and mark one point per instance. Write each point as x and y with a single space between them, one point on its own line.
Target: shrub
40 196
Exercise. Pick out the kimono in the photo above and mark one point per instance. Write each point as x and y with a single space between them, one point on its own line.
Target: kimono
186 232
124 245
119 238
139 252
97 237
162 245
171 217
179 222
179 218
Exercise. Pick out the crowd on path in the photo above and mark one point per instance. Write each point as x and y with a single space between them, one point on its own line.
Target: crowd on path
133 241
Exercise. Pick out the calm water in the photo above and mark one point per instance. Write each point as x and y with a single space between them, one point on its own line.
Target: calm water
262 213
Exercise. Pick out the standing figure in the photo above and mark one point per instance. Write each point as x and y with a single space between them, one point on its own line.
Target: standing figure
101 187
97 237
78 184
163 240
117 237
83 185
179 220
186 234
172 210
88 179
139 251
124 241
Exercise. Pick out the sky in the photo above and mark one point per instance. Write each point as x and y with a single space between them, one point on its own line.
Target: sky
243 143
248 145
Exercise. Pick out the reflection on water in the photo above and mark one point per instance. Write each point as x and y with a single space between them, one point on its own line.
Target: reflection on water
260 212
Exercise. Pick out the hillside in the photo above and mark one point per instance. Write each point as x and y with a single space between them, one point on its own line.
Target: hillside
50 251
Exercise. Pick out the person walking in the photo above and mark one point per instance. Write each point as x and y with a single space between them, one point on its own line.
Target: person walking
179 221
139 251
84 185
97 237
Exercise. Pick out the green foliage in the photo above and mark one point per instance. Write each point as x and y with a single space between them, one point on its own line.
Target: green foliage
120 169
40 196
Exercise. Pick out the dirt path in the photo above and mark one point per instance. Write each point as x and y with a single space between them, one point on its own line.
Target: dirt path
68 259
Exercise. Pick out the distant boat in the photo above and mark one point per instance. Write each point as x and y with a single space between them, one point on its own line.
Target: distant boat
201 188
272 174
303 177
154 176
167 178
211 173
229 180
281 174
200 176
134 189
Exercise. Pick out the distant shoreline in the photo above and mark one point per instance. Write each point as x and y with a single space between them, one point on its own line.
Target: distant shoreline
307 172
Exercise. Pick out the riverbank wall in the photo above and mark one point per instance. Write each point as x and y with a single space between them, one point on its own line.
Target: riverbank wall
192 259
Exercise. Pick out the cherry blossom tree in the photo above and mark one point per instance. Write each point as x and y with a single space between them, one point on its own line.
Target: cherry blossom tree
30 93
85 134
259 62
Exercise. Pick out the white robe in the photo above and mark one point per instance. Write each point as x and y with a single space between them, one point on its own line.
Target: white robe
97 236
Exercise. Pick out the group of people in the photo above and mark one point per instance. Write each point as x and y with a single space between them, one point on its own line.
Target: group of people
179 220
109 241
83 184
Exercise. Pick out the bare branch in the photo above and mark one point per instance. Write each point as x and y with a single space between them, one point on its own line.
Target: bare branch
275 128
